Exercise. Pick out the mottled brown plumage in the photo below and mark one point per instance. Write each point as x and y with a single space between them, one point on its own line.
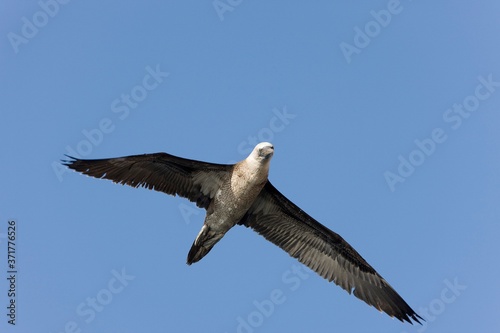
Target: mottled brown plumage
242 194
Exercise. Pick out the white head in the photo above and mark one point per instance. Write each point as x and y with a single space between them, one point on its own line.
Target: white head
262 152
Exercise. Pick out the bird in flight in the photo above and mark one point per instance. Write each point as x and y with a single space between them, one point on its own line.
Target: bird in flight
242 194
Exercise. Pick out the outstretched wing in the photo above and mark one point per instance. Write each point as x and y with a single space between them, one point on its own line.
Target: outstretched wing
195 180
281 222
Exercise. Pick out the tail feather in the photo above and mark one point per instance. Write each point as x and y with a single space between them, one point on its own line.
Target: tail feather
196 253
203 243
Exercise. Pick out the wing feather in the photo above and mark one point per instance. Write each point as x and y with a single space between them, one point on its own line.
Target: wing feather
283 223
195 180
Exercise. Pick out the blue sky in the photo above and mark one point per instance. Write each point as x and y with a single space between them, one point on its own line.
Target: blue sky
384 118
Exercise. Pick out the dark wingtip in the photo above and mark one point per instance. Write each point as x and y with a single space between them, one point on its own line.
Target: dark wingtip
409 316
415 317
69 161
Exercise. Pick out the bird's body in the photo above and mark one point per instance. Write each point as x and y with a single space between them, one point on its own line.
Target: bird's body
239 189
242 194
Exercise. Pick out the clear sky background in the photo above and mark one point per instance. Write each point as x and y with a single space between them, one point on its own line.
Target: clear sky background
385 130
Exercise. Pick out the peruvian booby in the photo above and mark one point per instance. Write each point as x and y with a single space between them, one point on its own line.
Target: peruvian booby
242 194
